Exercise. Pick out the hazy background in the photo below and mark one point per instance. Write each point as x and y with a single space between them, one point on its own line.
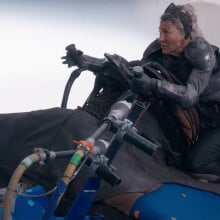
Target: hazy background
34 34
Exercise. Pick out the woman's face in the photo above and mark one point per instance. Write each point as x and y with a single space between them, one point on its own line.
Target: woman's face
172 40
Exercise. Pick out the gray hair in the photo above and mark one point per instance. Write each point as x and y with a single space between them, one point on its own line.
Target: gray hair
184 18
196 31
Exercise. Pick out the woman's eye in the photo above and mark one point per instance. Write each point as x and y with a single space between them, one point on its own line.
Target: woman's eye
164 31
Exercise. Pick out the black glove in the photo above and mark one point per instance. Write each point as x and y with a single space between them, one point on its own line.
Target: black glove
160 72
142 83
74 57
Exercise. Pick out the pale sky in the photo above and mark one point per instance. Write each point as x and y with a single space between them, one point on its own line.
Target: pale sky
34 35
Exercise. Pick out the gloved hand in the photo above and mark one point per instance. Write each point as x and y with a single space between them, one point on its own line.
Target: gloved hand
142 83
160 72
155 65
74 57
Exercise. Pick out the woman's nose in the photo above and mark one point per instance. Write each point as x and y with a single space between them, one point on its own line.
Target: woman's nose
161 37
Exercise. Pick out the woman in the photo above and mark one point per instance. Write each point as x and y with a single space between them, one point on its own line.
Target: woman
182 51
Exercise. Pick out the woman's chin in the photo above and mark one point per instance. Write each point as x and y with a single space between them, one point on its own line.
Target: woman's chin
165 51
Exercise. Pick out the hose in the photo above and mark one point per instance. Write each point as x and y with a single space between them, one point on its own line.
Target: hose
16 176
40 156
74 162
68 86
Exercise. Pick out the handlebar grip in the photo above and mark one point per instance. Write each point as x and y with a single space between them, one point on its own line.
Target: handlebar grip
142 143
77 55
105 172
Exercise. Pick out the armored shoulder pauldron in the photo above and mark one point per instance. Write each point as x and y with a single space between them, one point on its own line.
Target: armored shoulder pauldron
201 54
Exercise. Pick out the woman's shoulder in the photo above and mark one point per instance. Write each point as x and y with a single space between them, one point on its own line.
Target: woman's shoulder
200 53
199 43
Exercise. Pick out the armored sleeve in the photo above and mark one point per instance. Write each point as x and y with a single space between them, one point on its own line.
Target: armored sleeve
201 55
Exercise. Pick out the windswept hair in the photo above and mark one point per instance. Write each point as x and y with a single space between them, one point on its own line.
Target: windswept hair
196 31
180 19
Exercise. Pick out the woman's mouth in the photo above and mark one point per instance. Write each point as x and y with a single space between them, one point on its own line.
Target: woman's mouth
163 46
